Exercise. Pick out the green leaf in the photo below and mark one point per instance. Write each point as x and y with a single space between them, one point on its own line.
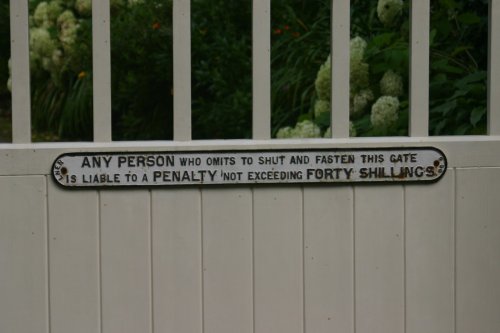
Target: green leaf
469 18
476 115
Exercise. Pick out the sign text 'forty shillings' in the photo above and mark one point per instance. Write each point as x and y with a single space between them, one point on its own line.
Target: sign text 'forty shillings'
249 167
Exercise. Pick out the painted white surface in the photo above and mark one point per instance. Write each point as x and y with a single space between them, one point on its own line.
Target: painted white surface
286 259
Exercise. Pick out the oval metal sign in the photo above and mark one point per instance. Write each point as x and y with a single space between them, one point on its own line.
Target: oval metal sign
380 165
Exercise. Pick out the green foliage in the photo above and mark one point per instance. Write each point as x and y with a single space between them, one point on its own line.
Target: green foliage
4 47
142 87
222 69
300 44
142 77
459 31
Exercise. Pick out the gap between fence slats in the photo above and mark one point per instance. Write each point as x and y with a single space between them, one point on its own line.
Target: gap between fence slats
494 69
261 81
101 64
340 68
20 64
419 68
182 69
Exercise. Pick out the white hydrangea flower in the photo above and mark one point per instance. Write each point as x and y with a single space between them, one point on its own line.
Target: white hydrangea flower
307 129
391 84
357 49
320 107
359 75
352 131
84 7
361 100
57 58
389 10
41 43
68 29
285 133
9 84
385 112
323 81
54 9
41 15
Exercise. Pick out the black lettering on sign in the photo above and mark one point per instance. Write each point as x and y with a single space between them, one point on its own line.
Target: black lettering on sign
294 166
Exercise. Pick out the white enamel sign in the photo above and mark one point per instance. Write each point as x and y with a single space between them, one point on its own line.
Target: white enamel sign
249 167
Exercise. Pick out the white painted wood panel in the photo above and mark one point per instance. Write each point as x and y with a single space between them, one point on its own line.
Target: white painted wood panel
101 70
261 70
182 69
227 260
23 255
125 261
74 260
340 68
328 259
419 68
177 282
379 259
478 250
430 219
278 260
21 98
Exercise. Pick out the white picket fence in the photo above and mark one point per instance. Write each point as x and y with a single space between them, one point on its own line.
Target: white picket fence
282 259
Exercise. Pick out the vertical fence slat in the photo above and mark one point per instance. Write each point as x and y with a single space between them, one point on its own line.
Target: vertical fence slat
182 69
261 92
494 69
340 68
419 72
21 103
101 58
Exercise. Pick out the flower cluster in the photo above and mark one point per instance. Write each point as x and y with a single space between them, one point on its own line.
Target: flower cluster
303 129
389 10
391 84
352 131
385 112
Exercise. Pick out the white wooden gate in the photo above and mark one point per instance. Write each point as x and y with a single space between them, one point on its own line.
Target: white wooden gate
283 259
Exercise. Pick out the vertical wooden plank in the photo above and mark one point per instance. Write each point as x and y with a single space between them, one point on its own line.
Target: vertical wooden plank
494 69
182 69
278 260
125 261
328 259
23 255
430 256
101 63
227 260
74 260
261 81
176 236
19 48
478 250
419 68
340 68
379 259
